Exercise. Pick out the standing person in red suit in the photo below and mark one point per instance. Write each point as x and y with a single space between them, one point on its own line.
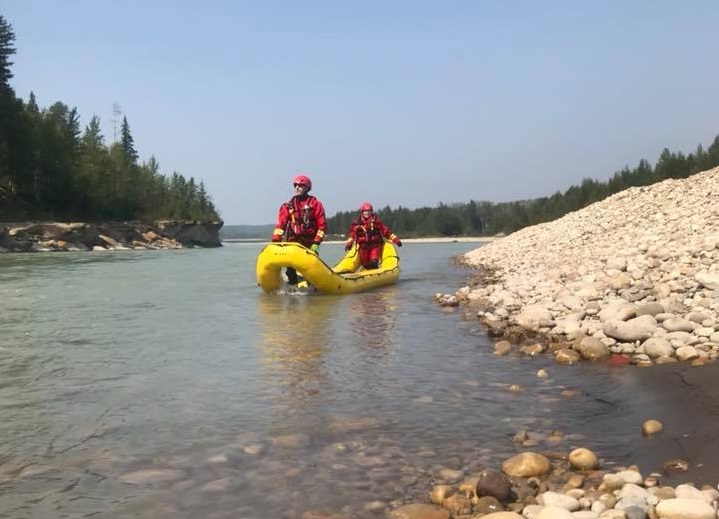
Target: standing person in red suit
301 220
368 231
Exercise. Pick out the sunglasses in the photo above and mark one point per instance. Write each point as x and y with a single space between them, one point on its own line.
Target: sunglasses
299 185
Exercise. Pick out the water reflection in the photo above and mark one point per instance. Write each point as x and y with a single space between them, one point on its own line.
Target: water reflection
294 340
372 319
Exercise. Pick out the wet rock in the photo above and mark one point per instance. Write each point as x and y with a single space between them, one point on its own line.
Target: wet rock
458 504
290 441
686 353
439 493
375 506
420 511
502 347
468 486
449 475
218 485
591 348
532 350
364 460
150 476
566 356
487 505
343 424
494 483
675 466
526 464
651 427
583 459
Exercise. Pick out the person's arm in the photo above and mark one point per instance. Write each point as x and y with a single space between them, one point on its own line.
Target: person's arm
389 234
279 230
321 221
351 236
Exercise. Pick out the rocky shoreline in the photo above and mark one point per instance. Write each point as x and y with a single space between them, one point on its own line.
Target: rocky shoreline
78 236
533 486
633 279
544 481
635 275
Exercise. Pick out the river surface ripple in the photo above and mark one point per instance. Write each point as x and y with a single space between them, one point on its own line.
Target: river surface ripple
166 384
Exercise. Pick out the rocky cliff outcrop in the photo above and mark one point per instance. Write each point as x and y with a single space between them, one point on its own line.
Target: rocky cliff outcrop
56 236
192 233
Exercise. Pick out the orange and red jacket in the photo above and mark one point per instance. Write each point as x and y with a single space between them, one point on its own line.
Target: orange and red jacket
369 232
302 219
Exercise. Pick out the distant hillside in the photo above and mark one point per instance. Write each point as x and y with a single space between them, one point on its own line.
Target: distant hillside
246 232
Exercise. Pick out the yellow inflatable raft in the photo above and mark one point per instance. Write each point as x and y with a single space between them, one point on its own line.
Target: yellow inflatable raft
344 278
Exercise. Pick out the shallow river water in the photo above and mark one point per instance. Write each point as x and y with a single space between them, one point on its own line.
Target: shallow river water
166 384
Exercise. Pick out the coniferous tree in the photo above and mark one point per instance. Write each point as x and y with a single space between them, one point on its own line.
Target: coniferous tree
92 170
7 37
8 113
93 137
712 156
59 153
32 104
127 143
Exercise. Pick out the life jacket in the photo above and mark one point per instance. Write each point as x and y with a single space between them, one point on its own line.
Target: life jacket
368 232
301 222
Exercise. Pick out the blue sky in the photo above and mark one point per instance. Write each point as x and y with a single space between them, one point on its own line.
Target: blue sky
406 103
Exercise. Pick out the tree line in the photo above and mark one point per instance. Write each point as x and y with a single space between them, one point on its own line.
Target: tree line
50 168
488 218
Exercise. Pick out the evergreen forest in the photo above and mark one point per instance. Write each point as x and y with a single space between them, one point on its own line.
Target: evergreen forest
51 169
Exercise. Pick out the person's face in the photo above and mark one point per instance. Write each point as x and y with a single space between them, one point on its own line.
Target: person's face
300 189
366 213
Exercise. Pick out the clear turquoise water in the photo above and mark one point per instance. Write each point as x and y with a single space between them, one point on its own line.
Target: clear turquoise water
165 384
